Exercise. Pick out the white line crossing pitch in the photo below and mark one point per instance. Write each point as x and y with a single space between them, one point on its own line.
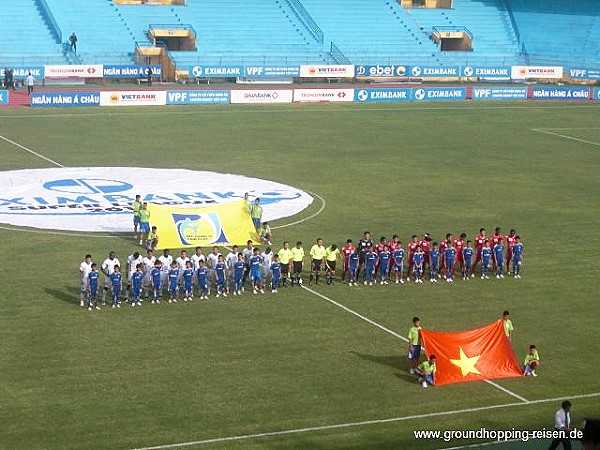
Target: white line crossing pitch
399 336
564 136
10 141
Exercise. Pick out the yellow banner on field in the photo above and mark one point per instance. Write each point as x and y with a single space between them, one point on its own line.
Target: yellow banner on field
227 224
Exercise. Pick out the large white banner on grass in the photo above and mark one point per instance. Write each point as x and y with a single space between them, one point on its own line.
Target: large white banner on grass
261 96
323 95
541 72
99 198
74 71
133 98
324 71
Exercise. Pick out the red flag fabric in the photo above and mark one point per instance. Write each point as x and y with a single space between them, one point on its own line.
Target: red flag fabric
480 354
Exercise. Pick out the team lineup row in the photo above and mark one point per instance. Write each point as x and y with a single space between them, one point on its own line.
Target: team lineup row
155 277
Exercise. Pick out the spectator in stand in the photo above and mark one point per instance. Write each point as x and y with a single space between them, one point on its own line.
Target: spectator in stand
73 42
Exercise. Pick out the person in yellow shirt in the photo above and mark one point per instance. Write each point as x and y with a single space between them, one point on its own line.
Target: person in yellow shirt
317 254
332 254
285 258
136 206
297 262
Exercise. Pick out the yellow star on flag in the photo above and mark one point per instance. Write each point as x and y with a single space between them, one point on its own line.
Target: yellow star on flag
466 364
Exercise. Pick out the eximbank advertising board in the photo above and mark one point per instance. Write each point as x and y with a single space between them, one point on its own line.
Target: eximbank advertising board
99 198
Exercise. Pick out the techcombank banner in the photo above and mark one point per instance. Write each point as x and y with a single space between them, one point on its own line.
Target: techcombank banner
99 198
74 71
536 72
133 98
261 96
323 95
323 71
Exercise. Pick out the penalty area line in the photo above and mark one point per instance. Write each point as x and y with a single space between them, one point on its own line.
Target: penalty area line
399 336
16 144
359 424
564 136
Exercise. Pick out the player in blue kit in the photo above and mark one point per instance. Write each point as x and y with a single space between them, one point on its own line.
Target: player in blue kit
385 258
467 253
434 262
418 259
188 282
115 280
137 279
239 268
221 276
202 277
450 257
92 286
156 275
255 274
370 264
353 262
486 259
498 258
173 282
275 274
517 256
398 256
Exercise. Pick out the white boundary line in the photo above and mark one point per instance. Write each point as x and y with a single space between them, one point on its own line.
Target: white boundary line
564 136
61 233
362 423
393 333
30 151
323 205
299 109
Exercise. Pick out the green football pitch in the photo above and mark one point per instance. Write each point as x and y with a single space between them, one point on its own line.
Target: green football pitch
320 368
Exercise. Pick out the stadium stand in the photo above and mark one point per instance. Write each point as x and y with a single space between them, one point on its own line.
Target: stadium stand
570 32
27 37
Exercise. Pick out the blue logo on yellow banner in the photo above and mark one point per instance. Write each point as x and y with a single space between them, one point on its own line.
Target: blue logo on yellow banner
197 229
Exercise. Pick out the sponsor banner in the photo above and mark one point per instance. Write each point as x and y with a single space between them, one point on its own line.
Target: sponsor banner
131 71
3 97
435 72
323 95
381 71
323 71
216 72
133 98
261 96
496 72
74 71
23 72
271 72
499 93
440 94
540 72
596 94
99 198
560 93
190 97
382 95
64 99
584 74
228 224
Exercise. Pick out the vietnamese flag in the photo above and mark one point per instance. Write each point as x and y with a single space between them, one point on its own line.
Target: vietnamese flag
480 354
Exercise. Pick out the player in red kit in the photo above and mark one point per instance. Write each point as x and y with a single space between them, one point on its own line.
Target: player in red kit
443 246
395 243
497 238
346 251
412 248
459 243
480 241
510 241
425 243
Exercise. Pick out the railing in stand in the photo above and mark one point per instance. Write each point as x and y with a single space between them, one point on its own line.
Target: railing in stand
56 31
513 21
337 55
307 20
450 29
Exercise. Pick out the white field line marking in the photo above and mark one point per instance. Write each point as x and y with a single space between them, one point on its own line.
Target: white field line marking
362 423
61 233
393 333
564 136
268 110
323 205
30 151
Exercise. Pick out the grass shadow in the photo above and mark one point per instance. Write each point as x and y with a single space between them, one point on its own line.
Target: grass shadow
69 294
